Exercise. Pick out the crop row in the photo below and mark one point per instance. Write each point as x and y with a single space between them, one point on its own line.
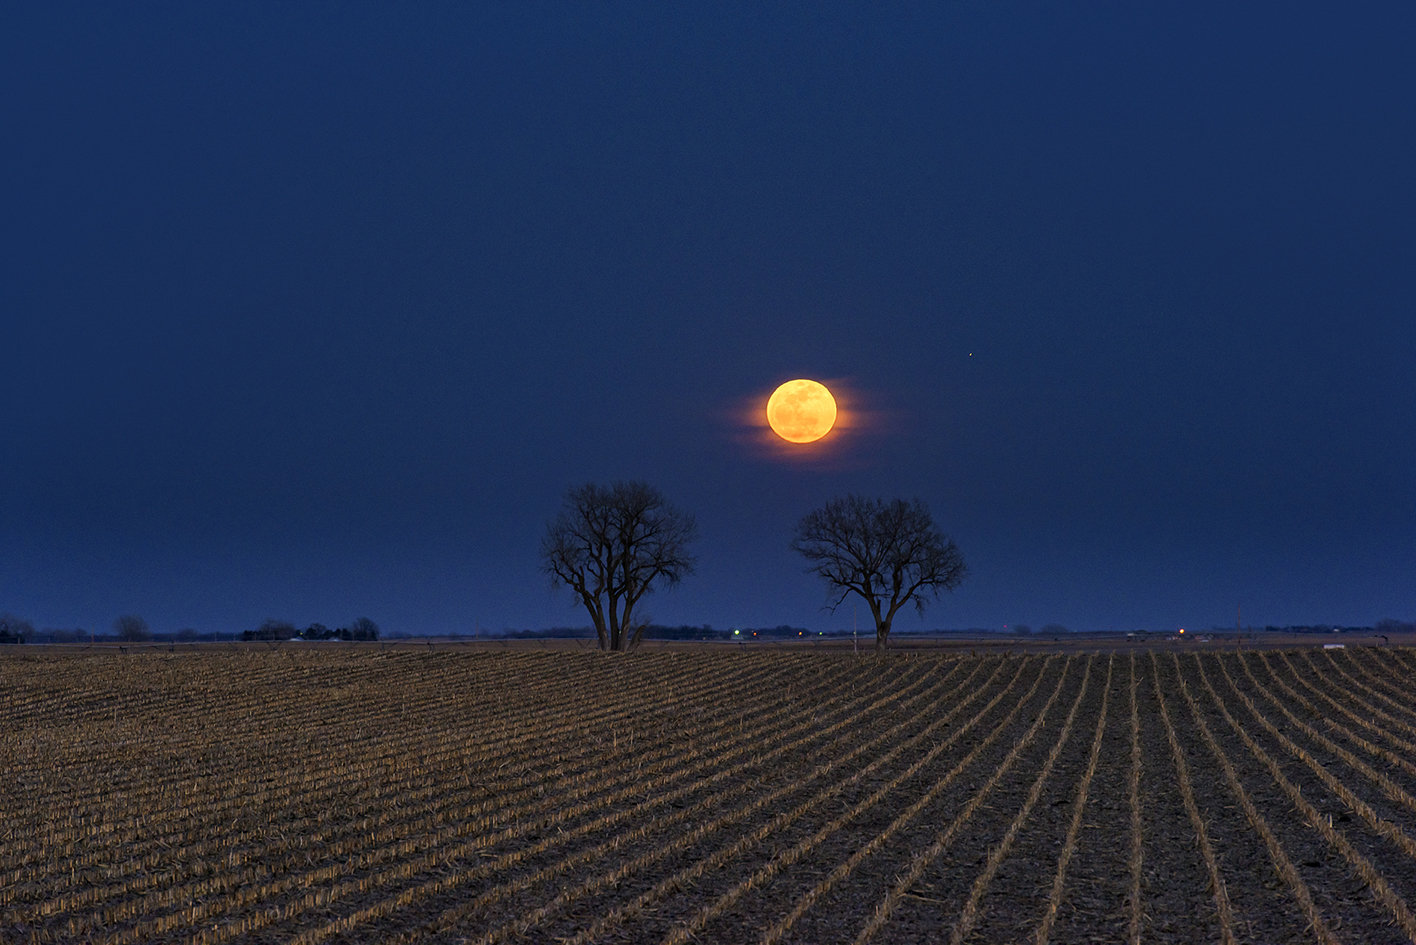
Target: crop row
322 796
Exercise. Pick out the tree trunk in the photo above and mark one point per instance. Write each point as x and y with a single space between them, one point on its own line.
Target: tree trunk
616 628
882 633
619 638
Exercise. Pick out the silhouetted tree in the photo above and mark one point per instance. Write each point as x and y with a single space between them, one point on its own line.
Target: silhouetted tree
15 629
1053 630
611 546
272 629
132 628
887 553
1022 629
364 629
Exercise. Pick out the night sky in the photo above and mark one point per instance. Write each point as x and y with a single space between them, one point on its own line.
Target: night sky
315 311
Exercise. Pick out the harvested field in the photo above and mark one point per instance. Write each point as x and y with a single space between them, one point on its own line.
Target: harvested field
325 795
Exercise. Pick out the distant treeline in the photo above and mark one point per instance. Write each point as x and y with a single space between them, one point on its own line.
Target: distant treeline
657 632
1382 626
129 629
786 632
361 629
133 629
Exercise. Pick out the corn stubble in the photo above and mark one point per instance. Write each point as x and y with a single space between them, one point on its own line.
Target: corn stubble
323 795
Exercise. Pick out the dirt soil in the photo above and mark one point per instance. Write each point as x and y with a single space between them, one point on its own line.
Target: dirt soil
963 791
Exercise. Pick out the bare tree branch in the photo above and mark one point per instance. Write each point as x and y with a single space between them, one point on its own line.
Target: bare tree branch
132 627
887 553
611 546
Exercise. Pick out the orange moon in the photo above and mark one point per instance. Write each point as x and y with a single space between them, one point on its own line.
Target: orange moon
801 411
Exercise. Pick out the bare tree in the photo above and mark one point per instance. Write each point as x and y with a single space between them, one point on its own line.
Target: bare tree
611 545
132 628
15 629
272 628
887 553
364 629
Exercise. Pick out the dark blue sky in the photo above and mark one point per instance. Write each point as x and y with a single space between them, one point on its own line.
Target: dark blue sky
316 311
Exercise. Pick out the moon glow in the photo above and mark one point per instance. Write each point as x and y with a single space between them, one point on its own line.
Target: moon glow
801 411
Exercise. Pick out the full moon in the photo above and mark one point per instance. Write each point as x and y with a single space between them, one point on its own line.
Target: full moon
801 411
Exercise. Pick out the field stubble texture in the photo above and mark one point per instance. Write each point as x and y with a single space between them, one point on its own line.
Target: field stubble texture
315 795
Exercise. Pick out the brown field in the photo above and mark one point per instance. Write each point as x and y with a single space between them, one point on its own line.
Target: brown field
327 794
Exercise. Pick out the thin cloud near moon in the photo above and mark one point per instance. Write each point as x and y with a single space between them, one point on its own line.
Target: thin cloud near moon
748 427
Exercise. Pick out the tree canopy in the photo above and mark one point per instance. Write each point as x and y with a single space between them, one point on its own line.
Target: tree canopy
889 553
132 627
611 545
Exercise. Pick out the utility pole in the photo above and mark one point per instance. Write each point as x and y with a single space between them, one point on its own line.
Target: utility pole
855 630
1239 625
